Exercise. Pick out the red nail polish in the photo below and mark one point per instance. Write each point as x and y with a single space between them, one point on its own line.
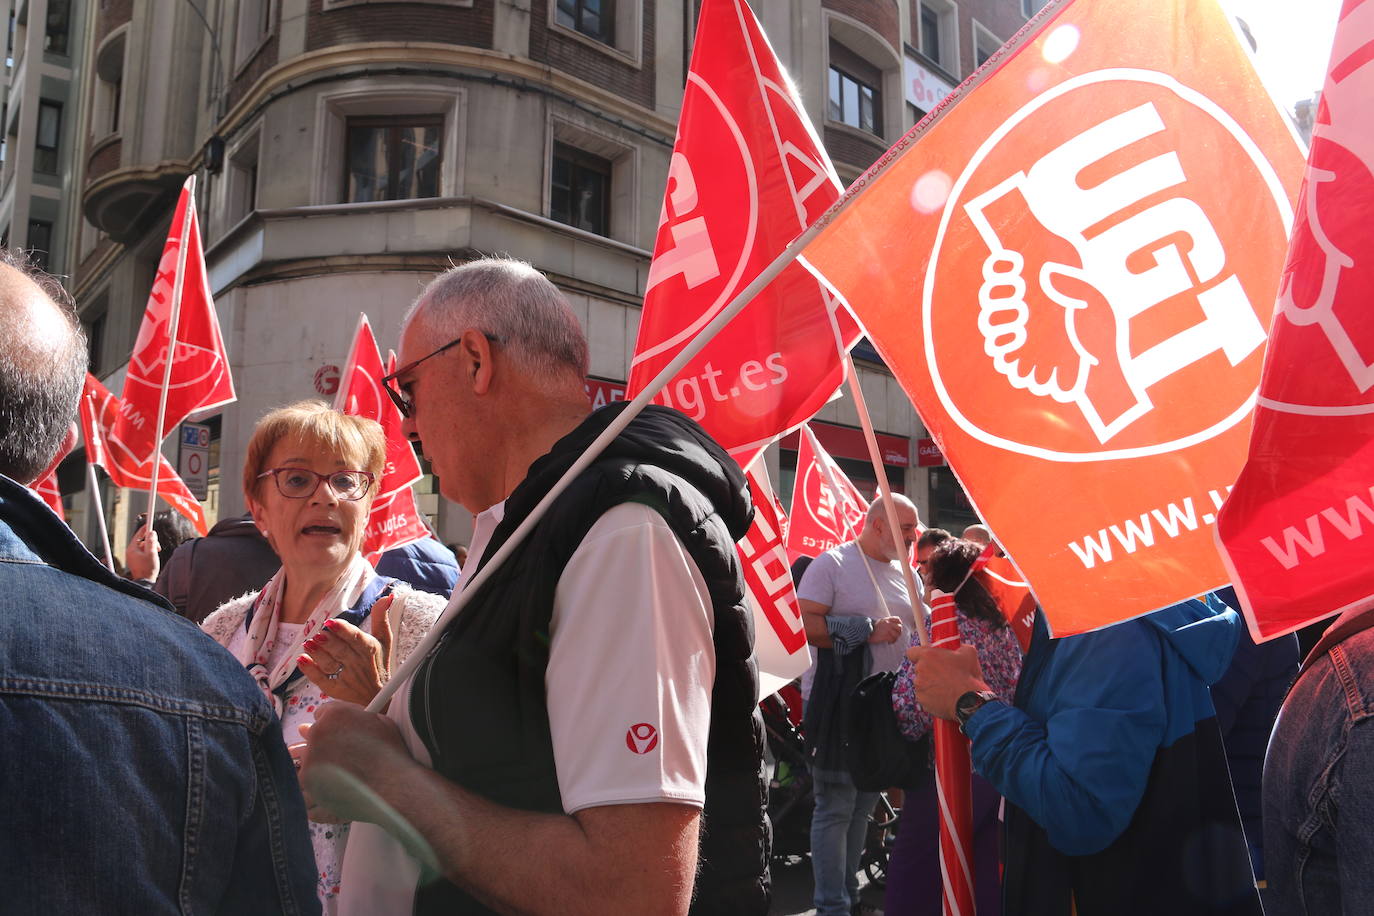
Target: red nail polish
301 660
331 624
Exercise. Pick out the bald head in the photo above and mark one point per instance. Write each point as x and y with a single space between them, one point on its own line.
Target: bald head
876 538
978 534
42 367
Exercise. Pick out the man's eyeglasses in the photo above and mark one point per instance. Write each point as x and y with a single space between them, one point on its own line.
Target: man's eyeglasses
301 483
398 393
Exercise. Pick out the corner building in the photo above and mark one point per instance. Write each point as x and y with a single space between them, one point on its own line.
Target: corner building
348 149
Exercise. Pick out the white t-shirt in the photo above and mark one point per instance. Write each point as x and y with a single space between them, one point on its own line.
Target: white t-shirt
631 667
837 579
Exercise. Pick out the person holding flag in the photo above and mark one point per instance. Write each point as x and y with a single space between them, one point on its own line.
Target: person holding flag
855 606
913 871
322 627
566 711
1118 800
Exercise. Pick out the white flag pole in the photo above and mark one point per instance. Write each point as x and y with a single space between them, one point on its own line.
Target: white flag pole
100 513
189 191
632 410
890 511
848 532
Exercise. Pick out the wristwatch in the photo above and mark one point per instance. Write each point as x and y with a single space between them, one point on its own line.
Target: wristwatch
970 703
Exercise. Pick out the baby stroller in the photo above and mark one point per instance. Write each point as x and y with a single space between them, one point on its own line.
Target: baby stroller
790 801
790 797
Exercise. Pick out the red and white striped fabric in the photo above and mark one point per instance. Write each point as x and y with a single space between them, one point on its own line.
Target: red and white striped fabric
953 780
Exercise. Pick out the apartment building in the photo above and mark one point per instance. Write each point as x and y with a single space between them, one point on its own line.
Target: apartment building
347 150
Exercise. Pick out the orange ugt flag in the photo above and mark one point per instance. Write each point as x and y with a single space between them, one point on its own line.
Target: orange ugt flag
1071 271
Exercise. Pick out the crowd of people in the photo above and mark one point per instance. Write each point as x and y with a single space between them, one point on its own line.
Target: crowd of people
585 735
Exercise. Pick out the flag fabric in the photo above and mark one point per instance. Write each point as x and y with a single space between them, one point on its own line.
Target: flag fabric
46 488
394 519
1008 590
953 779
820 517
779 637
748 174
99 412
1298 529
1070 269
200 367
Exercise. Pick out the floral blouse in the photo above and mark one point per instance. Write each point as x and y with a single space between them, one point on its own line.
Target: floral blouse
998 652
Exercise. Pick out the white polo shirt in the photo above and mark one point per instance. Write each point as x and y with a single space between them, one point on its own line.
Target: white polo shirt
631 666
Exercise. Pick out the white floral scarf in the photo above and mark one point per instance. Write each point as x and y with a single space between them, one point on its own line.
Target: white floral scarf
255 651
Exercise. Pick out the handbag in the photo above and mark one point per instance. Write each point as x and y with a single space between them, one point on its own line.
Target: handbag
879 757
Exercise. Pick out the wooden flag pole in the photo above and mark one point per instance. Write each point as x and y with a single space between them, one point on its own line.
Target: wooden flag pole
189 190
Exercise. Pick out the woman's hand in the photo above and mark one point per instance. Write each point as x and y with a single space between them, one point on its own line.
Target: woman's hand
346 663
141 554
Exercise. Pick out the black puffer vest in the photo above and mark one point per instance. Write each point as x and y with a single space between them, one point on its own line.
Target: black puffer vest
479 699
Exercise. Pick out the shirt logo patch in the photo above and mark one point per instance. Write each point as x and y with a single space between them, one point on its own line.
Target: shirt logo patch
641 738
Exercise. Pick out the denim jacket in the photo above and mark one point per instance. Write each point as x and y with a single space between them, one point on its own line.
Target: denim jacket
142 770
1319 781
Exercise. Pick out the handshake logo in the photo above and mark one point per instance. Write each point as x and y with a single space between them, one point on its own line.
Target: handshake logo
1071 321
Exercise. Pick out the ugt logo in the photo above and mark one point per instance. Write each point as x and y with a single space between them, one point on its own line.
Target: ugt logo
1106 252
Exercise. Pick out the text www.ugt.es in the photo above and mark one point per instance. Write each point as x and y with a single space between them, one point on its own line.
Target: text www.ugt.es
1174 519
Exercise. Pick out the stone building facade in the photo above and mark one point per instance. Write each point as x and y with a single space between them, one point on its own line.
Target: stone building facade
350 149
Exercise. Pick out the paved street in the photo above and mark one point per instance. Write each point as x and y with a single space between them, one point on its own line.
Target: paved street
792 890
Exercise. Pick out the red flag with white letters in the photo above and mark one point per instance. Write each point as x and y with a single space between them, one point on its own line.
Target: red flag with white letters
394 520
821 518
99 412
779 638
1297 531
200 367
747 176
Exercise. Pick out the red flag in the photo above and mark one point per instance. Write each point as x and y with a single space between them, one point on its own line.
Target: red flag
779 638
1009 592
1070 269
821 518
394 520
1297 531
46 487
747 176
200 368
99 413
953 779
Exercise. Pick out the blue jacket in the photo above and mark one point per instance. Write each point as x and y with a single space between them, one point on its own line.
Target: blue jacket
425 564
1114 773
1248 698
143 771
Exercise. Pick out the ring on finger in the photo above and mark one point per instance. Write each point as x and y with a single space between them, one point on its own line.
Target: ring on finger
334 676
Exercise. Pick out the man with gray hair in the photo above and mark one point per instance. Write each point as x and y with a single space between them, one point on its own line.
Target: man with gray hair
551 755
855 608
145 771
